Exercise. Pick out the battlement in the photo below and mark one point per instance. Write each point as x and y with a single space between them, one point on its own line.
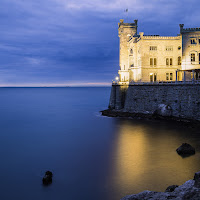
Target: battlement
152 35
157 37
190 29
187 30
127 24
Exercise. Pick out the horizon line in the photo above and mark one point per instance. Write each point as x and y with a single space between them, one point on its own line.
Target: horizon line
101 84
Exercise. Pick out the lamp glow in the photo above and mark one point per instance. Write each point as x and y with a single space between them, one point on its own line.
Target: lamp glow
117 78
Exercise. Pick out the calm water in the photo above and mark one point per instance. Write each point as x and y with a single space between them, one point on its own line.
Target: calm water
92 157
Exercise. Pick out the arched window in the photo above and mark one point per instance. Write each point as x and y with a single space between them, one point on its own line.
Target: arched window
131 51
192 57
179 60
155 62
167 61
171 61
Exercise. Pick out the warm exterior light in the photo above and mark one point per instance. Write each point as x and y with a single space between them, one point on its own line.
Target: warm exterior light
117 78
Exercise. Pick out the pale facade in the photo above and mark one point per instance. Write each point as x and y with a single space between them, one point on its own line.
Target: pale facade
153 58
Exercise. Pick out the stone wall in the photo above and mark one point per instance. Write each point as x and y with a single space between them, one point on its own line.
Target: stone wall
183 99
117 97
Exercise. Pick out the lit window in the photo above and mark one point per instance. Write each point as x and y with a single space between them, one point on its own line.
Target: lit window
167 76
169 48
192 57
179 60
153 48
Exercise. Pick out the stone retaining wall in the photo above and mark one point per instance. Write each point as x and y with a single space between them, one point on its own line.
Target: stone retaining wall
182 99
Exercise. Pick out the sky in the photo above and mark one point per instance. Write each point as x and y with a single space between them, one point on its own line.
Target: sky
75 43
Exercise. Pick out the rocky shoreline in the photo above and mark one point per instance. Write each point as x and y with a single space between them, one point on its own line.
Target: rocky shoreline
122 114
190 190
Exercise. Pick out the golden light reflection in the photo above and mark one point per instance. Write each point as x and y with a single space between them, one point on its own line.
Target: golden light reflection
145 158
131 148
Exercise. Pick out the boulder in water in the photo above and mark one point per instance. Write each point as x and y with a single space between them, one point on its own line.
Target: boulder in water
185 149
47 179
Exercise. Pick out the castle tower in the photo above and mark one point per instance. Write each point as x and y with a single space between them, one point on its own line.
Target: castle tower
125 30
181 27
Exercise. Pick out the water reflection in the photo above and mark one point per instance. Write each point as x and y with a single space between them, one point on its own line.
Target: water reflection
145 156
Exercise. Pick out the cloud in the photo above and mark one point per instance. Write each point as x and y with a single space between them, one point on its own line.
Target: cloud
59 40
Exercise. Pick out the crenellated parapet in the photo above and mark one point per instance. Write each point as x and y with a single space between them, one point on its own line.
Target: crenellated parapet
187 30
155 37
191 29
131 28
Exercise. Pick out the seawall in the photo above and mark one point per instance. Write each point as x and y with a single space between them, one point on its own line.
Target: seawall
179 100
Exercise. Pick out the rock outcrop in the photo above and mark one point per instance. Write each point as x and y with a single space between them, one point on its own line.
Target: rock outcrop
171 188
185 149
190 190
47 179
163 110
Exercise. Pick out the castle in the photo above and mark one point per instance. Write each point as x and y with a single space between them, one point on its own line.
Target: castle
158 76
154 58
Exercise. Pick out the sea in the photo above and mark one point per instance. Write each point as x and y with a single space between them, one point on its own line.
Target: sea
92 157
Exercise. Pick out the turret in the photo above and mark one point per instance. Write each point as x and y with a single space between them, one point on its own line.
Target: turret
125 30
181 28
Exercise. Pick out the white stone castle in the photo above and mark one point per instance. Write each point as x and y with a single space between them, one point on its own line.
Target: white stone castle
154 58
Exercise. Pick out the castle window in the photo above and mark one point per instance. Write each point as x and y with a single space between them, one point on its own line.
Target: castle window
179 60
167 76
153 48
192 57
155 77
179 48
169 48
167 61
131 51
171 76
153 62
171 61
193 41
